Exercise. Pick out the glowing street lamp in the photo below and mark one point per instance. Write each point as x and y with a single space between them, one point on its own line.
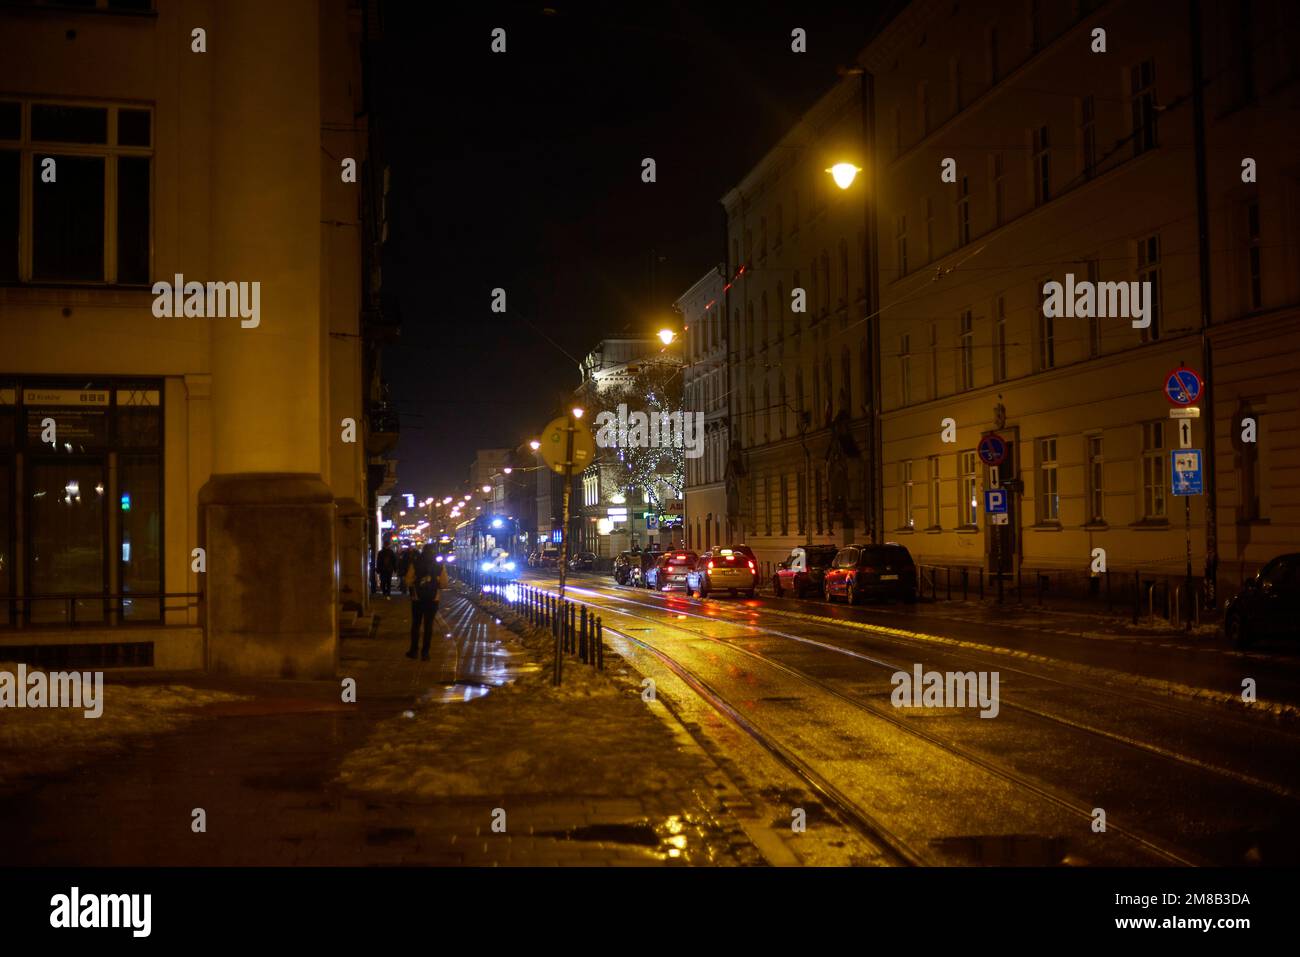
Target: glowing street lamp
666 336
577 412
534 445
844 174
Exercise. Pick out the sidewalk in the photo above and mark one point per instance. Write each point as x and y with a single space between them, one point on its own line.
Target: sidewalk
415 772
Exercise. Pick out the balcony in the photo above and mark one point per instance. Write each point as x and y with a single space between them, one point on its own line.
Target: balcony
384 429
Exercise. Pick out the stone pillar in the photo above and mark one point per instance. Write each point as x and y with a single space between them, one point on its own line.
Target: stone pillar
267 518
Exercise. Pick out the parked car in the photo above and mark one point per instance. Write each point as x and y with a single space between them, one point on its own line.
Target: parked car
1268 605
623 564
670 570
749 553
861 571
722 570
801 574
582 562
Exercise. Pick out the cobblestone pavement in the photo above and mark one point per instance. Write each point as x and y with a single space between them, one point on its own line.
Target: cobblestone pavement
265 772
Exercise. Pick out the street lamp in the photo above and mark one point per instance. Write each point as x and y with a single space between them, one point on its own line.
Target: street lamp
534 445
666 336
844 174
577 412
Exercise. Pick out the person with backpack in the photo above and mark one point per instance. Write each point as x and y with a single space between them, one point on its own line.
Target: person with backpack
425 579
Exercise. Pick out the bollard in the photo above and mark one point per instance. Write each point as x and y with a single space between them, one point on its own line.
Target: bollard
600 645
582 637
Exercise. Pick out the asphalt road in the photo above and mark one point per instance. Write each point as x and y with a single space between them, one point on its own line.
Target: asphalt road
1144 734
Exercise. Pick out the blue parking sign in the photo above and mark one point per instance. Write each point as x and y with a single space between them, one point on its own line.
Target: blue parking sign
1186 471
995 501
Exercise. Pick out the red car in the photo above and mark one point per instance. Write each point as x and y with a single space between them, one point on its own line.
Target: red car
867 571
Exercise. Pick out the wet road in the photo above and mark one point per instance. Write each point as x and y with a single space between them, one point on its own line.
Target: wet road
1083 724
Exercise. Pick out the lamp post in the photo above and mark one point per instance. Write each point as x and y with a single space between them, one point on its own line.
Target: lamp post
845 174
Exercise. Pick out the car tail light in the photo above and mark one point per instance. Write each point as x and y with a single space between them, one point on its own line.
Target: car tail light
751 564
868 569
710 563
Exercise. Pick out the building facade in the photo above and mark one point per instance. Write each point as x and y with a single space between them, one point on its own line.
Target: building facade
703 311
801 378
183 471
1029 156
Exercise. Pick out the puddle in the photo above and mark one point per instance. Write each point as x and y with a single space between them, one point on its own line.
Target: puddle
457 692
668 840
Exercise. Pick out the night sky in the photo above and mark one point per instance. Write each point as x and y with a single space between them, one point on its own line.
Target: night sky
523 170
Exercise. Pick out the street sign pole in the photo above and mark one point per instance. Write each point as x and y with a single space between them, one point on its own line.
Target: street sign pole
568 483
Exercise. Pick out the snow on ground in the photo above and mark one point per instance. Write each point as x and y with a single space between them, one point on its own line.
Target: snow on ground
36 741
591 736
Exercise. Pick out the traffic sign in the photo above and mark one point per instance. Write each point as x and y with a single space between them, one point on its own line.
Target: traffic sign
1186 471
992 449
995 501
1183 386
1191 412
555 444
1184 433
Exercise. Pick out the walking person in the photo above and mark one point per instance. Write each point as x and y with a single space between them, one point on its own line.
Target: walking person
387 563
426 578
404 568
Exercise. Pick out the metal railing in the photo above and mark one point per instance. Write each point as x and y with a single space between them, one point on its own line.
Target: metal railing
577 632
112 611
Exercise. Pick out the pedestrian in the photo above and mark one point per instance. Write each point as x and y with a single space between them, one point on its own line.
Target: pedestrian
425 578
404 566
387 563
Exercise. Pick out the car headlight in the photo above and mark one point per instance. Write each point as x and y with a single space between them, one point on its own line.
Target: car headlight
487 566
510 566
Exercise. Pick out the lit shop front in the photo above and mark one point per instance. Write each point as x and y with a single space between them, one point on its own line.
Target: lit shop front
81 494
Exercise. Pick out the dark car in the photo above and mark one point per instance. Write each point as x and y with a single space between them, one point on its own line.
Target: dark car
722 570
582 562
862 571
623 563
749 553
670 570
801 574
1268 605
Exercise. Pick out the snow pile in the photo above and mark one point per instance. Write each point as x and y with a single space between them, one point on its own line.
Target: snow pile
35 741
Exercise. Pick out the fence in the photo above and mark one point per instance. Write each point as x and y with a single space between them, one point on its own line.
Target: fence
1141 593
576 631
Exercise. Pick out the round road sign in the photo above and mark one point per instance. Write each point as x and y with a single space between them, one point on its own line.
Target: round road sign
992 449
1183 386
555 444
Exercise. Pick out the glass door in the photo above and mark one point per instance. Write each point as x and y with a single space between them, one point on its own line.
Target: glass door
67 529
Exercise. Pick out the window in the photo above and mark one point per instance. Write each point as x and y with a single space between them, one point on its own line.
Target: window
1253 256
783 406
844 271
999 339
935 488
1042 166
1046 352
1088 136
1096 480
966 354
1148 270
816 409
1094 321
798 395
900 242
767 412
801 490
825 284
905 370
1142 102
929 230
780 310
963 211
967 490
785 504
1049 499
1153 471
997 189
817 497
1253 470
92 221
905 481
768 490
934 360
762 309
830 391
846 379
